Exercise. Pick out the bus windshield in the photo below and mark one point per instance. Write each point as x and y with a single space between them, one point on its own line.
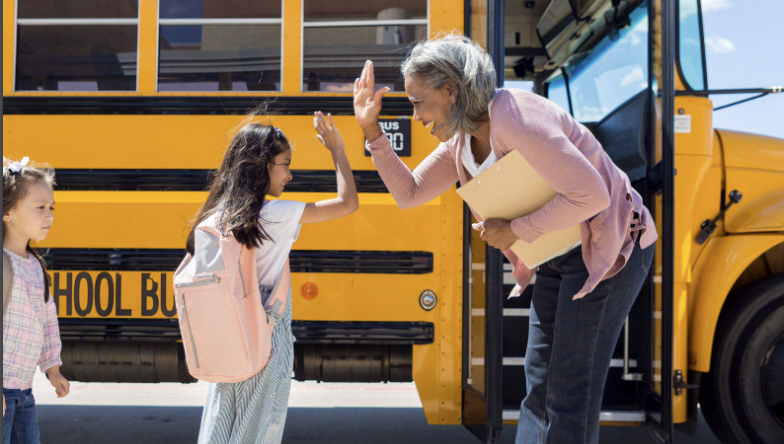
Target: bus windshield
614 72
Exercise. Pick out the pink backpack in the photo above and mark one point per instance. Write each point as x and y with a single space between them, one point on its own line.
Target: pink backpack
226 330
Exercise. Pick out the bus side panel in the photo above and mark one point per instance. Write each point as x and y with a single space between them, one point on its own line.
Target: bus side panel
6 138
9 37
292 46
762 207
90 294
765 213
698 180
716 271
160 220
446 16
170 142
122 219
451 309
365 298
437 368
148 47
699 194
425 371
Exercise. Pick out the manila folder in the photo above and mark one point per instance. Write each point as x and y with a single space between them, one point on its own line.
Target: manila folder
511 189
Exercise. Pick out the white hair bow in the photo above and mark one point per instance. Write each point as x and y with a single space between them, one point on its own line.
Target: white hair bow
19 166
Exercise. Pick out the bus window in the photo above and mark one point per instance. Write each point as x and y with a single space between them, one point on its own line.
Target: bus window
76 45
341 36
614 72
525 85
219 45
556 91
691 53
78 9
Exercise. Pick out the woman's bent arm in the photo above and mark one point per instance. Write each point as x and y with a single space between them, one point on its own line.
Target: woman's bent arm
432 178
347 201
535 128
582 193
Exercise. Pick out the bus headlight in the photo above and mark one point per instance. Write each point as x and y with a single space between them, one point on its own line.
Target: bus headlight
428 300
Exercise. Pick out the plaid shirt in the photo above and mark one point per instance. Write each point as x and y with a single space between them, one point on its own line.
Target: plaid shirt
30 332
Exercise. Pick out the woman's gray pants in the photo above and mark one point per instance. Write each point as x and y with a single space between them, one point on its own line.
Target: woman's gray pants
570 346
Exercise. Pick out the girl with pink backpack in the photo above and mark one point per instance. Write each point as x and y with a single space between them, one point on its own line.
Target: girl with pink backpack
233 289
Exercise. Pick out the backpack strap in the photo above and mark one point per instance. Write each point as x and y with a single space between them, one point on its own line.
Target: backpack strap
276 305
8 281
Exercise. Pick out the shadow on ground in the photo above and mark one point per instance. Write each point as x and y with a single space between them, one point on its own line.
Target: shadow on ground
164 425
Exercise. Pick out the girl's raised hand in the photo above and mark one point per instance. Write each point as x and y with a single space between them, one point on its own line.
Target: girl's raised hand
367 102
329 134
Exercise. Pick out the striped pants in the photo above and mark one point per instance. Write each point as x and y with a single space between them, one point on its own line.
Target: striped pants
253 411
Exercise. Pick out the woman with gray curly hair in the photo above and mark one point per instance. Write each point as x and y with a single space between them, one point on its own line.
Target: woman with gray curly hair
581 298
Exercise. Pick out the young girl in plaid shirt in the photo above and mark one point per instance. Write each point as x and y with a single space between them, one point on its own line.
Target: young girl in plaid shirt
30 333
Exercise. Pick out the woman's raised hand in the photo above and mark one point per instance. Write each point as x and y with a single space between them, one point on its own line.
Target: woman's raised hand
329 134
367 102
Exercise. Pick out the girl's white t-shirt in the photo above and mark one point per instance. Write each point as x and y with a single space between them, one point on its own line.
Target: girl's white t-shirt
280 219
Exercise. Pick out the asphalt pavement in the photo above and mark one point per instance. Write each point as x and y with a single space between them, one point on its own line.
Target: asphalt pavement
318 413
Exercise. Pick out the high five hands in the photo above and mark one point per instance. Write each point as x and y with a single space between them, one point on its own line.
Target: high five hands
367 102
328 133
367 107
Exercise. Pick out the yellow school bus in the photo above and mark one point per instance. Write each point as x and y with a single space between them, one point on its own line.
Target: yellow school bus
134 101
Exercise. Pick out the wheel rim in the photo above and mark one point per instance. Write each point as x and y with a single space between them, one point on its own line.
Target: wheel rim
773 379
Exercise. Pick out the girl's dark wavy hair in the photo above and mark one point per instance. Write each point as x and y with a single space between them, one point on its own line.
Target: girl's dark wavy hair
241 184
15 186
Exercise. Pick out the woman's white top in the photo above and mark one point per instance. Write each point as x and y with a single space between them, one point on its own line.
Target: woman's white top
280 219
469 162
474 169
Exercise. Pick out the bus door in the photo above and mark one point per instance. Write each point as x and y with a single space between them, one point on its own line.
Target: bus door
483 276
482 336
617 84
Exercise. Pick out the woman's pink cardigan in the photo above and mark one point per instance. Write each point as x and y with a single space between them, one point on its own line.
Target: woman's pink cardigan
592 191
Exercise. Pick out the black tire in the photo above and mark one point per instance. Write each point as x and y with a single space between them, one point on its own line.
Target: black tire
742 397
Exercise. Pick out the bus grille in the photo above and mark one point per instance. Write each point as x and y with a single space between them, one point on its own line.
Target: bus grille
305 181
302 261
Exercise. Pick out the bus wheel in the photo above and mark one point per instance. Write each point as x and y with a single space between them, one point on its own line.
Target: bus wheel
742 397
